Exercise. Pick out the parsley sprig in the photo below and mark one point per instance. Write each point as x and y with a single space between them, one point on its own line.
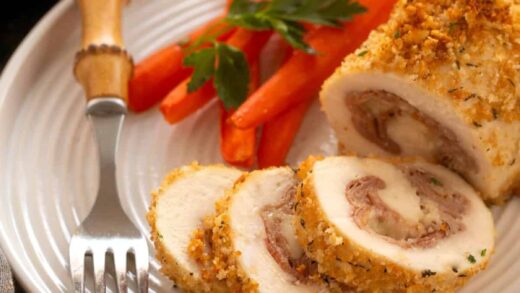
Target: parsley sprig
228 65
286 16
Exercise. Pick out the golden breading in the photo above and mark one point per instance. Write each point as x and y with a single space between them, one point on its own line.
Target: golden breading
182 277
347 262
466 50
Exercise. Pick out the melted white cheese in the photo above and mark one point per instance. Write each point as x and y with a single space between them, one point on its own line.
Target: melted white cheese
412 136
331 175
259 190
289 233
399 195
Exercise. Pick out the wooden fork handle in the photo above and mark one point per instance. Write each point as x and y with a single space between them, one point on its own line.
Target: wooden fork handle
103 67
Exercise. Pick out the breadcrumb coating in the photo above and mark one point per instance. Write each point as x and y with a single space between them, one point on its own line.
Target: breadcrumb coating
467 51
183 278
350 263
225 265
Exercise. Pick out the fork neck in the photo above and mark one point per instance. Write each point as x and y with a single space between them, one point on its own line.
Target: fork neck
107 116
106 106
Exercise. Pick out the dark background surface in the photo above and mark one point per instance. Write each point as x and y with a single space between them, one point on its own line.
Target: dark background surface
16 20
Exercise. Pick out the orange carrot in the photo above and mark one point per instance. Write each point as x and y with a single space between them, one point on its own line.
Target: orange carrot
178 105
278 135
155 76
254 73
302 75
250 42
160 72
274 55
237 146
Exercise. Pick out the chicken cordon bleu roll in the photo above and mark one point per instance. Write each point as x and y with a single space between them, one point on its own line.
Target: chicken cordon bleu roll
440 80
178 209
392 227
253 238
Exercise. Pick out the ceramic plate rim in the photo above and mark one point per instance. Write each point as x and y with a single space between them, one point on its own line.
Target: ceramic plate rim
9 74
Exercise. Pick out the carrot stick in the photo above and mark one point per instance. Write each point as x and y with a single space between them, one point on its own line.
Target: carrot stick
160 72
179 105
275 53
250 42
154 76
278 135
237 146
302 75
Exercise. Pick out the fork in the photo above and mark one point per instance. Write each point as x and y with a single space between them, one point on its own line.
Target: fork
103 68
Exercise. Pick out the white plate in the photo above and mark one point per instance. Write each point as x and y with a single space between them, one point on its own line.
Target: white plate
49 173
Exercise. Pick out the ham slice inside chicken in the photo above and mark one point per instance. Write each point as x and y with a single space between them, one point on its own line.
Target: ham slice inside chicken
281 240
401 129
442 210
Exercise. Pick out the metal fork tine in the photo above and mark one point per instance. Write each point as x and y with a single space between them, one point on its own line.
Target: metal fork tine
98 258
120 270
77 268
141 268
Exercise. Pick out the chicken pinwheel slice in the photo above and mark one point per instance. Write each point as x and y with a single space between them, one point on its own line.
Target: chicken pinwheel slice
178 210
400 227
254 241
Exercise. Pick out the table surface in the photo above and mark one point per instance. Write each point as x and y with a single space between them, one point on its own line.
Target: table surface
15 23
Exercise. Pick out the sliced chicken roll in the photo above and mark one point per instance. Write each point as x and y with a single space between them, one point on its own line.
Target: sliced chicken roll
178 210
406 227
440 80
254 241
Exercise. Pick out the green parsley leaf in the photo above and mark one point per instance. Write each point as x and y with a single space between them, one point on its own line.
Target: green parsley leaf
483 252
227 66
203 62
471 259
284 16
323 12
208 38
231 78
246 7
293 33
250 21
435 181
362 53
248 14
452 27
